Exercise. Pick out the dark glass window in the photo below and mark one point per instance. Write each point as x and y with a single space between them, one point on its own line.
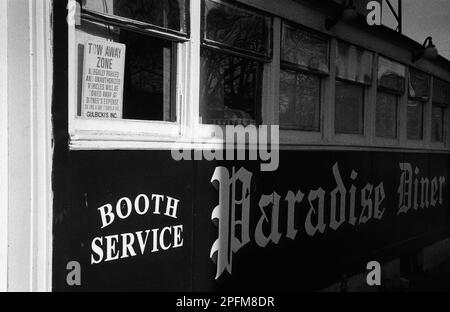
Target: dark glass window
437 123
386 115
349 108
415 120
391 75
304 62
305 49
169 14
230 89
353 63
237 28
299 101
419 85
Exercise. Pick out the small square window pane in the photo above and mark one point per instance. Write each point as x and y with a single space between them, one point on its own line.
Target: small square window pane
170 14
353 63
386 115
299 101
148 79
230 89
391 75
349 108
419 85
238 28
305 49
415 120
437 124
441 92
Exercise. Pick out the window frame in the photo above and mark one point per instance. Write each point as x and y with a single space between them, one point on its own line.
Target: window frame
95 133
297 136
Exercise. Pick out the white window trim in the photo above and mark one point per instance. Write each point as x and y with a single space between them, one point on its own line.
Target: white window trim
3 147
109 134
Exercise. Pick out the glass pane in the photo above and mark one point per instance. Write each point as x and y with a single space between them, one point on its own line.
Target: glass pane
299 101
349 115
419 85
386 115
441 92
147 82
391 75
237 27
303 48
415 120
170 14
230 88
437 128
353 63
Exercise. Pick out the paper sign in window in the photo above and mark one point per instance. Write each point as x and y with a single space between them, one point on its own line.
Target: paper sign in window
103 72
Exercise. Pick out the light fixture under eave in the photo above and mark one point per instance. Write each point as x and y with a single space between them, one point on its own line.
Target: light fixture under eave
348 13
429 51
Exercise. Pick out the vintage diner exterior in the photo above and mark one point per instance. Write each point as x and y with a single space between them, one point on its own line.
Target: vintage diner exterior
99 98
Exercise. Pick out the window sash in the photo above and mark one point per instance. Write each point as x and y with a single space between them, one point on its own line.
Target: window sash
134 25
381 132
301 64
415 128
417 77
353 63
340 128
239 51
139 25
390 71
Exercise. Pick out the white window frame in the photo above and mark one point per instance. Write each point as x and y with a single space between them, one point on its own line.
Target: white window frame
293 136
112 134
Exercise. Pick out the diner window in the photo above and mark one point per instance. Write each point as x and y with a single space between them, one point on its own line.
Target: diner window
236 43
441 102
165 14
135 44
391 86
386 115
437 124
415 120
304 63
353 75
349 110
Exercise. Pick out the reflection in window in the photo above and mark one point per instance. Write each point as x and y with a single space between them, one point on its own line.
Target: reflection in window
349 108
441 102
386 115
391 75
353 63
299 101
305 49
230 88
148 81
441 92
437 124
170 14
237 28
419 85
415 120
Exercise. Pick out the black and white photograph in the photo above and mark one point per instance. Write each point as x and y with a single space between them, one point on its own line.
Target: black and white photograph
203 148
